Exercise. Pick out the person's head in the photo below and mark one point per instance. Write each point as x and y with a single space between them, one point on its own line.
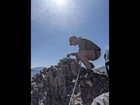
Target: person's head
73 40
106 57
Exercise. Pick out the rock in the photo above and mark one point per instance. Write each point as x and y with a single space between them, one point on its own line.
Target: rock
54 85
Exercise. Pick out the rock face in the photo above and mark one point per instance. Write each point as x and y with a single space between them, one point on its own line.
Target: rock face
54 85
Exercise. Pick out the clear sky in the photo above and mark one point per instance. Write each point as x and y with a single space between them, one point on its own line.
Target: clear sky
54 21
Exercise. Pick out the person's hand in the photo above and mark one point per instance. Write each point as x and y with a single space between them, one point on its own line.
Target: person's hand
68 55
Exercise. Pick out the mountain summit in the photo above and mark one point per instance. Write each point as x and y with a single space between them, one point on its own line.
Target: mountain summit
54 85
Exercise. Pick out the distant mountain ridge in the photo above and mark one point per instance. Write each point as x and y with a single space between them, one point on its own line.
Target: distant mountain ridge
36 70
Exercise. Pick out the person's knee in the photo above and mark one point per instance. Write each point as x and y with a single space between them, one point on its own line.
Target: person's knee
81 57
81 54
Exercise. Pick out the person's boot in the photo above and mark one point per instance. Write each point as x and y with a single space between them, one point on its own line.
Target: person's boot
92 65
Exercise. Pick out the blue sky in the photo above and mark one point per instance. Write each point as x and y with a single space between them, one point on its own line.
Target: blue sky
54 21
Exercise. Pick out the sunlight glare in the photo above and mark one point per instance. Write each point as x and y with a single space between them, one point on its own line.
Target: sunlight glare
59 10
60 2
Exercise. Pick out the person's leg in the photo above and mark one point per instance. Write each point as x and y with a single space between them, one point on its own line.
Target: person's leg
87 55
84 59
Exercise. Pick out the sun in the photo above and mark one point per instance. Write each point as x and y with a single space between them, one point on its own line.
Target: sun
57 7
60 2
56 3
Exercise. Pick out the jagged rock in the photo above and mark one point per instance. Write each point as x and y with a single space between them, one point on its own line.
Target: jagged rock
54 85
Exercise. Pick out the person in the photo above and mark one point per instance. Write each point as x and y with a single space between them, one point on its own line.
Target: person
87 51
103 99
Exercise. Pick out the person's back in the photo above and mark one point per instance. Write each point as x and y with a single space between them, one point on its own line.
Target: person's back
85 44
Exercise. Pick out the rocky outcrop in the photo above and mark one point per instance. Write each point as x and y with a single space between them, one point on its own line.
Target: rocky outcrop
54 85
